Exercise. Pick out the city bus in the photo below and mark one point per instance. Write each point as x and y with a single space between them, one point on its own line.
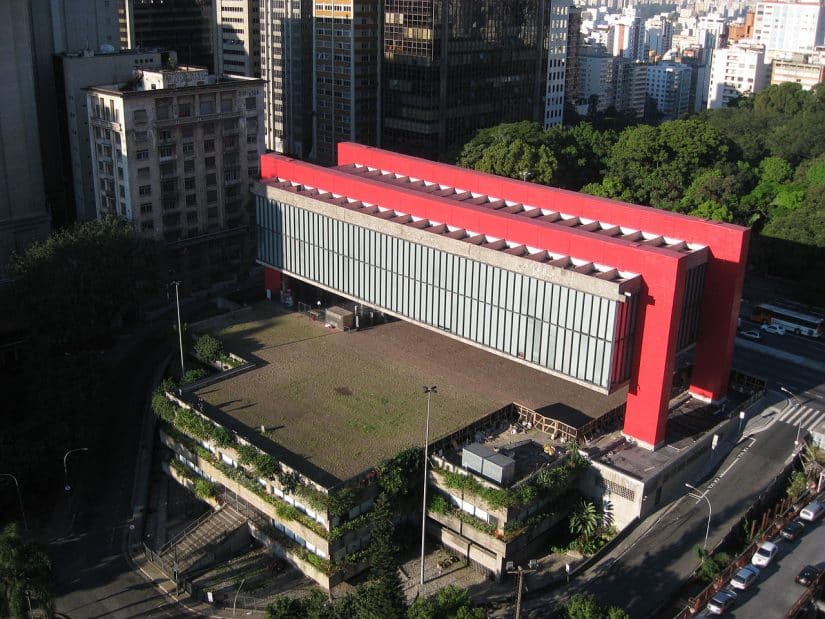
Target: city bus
792 320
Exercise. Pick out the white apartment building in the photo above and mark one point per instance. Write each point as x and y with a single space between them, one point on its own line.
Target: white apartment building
789 26
238 38
669 85
286 68
596 85
556 65
175 152
81 70
737 70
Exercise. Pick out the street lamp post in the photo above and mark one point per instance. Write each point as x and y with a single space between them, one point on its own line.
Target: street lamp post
180 330
795 401
67 487
19 499
429 391
710 512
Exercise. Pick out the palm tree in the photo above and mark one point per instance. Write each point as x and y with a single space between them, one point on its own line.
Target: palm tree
586 520
25 573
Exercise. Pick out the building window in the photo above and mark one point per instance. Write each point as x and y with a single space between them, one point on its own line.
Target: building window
189 183
251 103
211 179
147 226
142 155
188 148
145 208
139 116
209 146
143 172
209 162
145 190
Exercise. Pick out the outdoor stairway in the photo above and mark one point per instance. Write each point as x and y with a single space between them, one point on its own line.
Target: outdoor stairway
201 543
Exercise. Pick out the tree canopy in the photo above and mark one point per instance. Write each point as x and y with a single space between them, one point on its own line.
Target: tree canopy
758 163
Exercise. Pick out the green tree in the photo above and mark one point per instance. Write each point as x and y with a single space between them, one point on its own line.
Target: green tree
519 159
655 165
451 602
797 484
527 132
25 570
583 606
383 596
585 520
72 289
208 348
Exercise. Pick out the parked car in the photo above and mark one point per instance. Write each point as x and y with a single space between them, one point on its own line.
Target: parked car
808 575
745 577
752 334
792 530
764 554
812 511
722 601
775 329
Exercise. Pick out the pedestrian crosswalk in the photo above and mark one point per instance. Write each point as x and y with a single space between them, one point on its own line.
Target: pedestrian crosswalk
803 416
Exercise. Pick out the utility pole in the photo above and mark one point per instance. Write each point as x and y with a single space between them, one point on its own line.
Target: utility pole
520 572
429 390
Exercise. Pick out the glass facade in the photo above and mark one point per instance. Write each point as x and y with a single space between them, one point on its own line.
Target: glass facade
453 67
692 306
567 331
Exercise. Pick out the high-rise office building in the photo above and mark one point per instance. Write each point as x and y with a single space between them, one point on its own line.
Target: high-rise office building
556 64
175 152
574 43
24 217
237 37
186 26
286 67
450 68
345 74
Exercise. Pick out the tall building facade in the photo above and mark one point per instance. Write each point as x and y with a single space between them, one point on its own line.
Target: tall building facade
24 217
175 152
556 64
186 26
737 70
286 67
574 43
80 70
450 68
346 67
797 70
668 84
789 26
237 37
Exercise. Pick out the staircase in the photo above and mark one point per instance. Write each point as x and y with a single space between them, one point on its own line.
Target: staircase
207 540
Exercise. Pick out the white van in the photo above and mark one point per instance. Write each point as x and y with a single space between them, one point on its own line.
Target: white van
812 511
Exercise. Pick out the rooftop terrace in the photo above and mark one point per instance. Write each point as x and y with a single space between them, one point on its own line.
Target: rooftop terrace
343 402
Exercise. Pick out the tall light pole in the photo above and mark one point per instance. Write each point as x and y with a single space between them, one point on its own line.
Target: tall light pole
67 487
710 512
19 499
429 391
180 330
795 401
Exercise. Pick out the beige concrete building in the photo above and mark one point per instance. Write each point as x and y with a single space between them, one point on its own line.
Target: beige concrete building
807 71
238 38
175 152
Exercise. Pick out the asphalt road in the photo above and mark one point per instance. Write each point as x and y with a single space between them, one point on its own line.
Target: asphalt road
776 592
90 527
641 577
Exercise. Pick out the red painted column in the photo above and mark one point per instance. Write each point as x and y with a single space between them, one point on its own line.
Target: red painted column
272 281
717 327
657 331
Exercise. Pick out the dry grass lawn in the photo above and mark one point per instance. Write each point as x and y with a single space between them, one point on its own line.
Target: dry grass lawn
346 401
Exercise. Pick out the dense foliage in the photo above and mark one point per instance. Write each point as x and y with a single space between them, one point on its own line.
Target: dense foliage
760 163
583 606
25 570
